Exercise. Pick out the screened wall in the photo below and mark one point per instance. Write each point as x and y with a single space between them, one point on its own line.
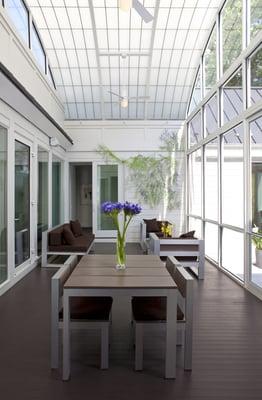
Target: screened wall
224 144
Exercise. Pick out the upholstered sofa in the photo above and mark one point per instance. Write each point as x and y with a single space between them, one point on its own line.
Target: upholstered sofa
150 226
65 239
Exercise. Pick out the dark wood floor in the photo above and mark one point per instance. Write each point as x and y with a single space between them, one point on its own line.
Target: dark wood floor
227 353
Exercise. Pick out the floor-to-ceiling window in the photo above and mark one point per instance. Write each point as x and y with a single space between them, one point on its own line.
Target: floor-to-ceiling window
42 209
3 204
224 151
22 203
57 198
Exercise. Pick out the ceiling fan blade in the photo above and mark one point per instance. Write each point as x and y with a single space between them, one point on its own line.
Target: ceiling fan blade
115 94
139 98
142 11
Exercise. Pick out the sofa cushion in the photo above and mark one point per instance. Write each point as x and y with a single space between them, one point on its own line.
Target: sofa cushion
76 228
81 245
187 235
55 237
151 225
69 236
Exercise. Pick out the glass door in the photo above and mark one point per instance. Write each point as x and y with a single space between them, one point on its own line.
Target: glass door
106 188
3 205
22 203
42 209
57 198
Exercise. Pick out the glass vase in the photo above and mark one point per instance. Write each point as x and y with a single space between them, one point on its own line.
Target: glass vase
120 253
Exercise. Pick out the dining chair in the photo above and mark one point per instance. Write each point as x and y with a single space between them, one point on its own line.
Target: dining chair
150 311
85 313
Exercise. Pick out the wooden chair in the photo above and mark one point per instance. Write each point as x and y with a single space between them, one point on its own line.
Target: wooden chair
86 313
152 311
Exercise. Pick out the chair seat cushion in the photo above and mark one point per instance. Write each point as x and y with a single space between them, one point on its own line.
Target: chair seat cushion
152 309
89 308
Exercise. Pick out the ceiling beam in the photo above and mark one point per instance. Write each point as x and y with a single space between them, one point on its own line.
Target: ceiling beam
151 48
92 15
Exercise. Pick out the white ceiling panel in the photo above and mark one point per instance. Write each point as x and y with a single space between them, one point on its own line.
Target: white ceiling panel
118 51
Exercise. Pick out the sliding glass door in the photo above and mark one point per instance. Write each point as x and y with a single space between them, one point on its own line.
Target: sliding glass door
3 204
22 203
106 188
42 210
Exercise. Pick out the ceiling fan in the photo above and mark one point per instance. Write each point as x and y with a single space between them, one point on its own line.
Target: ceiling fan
124 99
126 5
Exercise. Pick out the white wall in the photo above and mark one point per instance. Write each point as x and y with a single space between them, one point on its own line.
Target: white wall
127 139
19 60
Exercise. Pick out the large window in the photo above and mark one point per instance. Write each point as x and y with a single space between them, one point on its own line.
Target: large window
37 48
211 115
3 204
233 252
210 62
42 210
22 203
211 241
211 180
20 17
231 31
256 77
195 183
233 97
196 94
195 129
232 178
255 17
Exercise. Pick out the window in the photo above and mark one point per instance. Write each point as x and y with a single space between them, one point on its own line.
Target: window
51 76
195 130
231 31
211 180
195 224
255 17
232 177
233 252
256 162
256 77
3 204
210 62
107 183
211 115
195 182
20 17
37 48
233 97
211 241
196 94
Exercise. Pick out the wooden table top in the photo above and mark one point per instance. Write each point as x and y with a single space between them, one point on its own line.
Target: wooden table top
98 271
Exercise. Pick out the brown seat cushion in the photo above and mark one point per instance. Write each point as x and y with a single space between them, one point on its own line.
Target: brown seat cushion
81 244
187 235
152 309
76 228
69 236
151 225
55 237
90 308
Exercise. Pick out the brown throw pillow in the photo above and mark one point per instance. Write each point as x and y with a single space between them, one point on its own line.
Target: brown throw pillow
76 228
151 225
188 235
68 236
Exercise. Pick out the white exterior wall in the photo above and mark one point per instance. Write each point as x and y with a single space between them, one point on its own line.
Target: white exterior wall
127 139
20 61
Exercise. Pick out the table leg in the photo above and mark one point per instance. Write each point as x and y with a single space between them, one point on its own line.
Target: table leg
66 337
171 322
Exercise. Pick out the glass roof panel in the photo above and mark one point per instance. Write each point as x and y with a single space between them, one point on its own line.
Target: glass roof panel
92 45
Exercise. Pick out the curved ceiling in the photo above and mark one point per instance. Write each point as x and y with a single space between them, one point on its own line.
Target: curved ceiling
94 48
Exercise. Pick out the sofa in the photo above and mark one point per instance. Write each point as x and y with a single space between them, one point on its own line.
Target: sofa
148 226
65 239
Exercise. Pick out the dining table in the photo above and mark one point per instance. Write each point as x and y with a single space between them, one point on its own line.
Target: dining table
144 275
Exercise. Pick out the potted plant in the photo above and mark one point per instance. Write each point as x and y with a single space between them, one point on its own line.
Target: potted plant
257 240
